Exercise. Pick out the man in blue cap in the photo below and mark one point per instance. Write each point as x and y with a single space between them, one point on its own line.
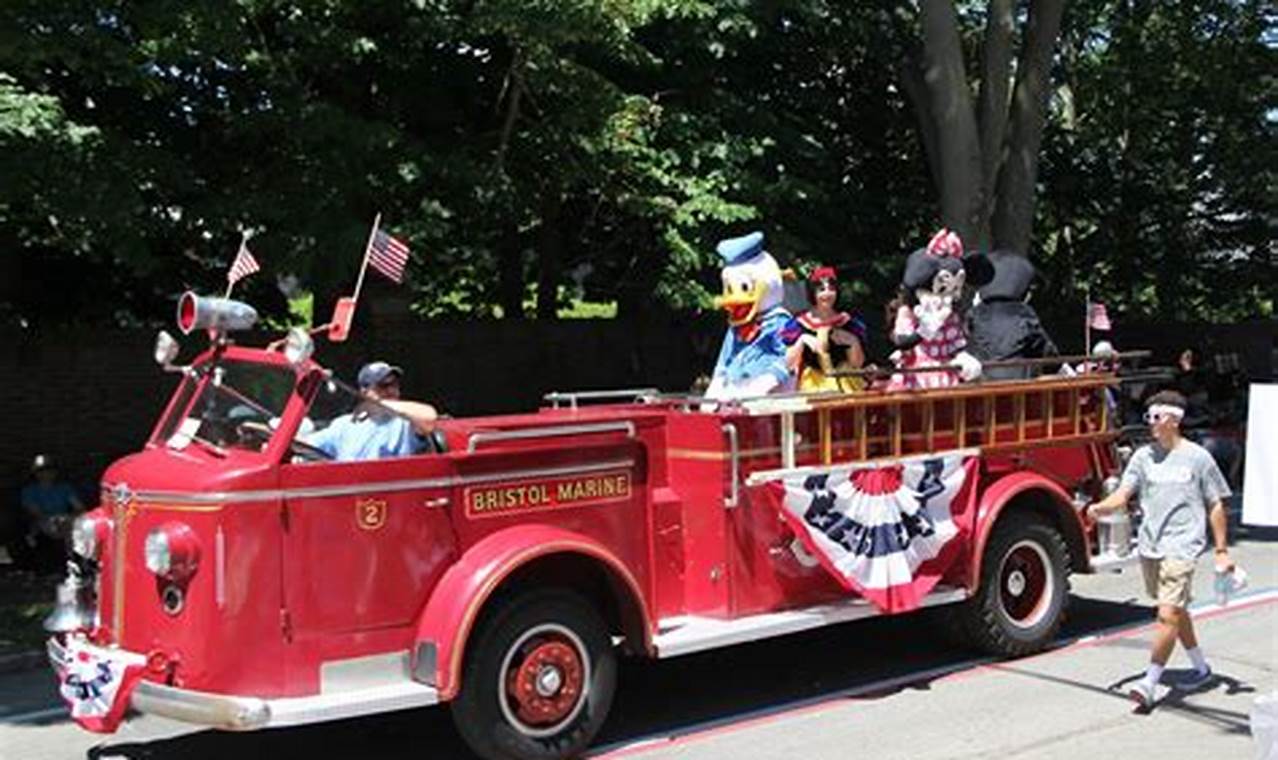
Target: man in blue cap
382 425
752 361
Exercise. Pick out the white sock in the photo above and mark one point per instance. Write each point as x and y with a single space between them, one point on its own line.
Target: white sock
1196 657
1153 675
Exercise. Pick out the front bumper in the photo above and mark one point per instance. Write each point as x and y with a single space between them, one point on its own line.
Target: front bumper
241 713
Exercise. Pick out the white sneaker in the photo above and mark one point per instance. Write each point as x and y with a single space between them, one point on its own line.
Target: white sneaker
1142 694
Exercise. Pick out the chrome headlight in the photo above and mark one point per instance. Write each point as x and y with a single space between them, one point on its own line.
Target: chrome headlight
89 533
84 537
172 551
159 559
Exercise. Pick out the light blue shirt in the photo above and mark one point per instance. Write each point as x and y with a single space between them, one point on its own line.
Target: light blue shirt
359 436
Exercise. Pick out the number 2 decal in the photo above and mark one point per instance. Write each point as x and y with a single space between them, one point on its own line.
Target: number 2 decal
370 514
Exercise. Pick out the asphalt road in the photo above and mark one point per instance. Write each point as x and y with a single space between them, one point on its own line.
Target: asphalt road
882 688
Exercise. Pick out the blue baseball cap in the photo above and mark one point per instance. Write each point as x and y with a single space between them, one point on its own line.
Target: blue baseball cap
375 372
741 248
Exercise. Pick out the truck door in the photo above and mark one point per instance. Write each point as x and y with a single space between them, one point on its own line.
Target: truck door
363 541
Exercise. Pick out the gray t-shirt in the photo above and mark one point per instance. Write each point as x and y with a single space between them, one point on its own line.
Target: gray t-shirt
1176 488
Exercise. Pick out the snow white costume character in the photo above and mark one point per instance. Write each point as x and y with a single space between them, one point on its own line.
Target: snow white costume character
828 340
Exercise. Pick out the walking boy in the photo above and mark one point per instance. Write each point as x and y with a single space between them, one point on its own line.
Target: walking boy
1181 493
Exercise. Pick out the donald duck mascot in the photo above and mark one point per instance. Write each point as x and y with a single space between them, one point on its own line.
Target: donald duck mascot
752 361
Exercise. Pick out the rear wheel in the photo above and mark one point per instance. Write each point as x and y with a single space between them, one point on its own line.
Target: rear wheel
539 678
1024 588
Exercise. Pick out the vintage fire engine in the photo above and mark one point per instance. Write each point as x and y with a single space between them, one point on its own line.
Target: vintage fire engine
234 577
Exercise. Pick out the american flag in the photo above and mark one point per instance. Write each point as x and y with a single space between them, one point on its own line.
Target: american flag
388 255
243 266
1097 317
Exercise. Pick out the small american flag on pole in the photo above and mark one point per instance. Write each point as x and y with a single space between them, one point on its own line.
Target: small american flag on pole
1097 317
388 255
243 266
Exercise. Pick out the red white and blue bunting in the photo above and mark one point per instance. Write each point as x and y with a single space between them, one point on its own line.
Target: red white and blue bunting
97 685
885 531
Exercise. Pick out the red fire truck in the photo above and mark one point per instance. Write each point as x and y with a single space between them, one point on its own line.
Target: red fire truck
235 577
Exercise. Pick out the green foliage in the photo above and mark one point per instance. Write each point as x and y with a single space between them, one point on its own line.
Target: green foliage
593 151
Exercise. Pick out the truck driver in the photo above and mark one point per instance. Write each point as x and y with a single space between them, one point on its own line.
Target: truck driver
382 425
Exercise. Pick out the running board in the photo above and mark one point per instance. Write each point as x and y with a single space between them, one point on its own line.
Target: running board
1113 563
690 633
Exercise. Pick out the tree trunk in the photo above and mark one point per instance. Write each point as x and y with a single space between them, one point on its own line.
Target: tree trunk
550 256
953 118
996 74
1014 209
510 273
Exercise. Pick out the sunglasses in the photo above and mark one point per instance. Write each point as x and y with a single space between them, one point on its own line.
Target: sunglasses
1153 418
390 382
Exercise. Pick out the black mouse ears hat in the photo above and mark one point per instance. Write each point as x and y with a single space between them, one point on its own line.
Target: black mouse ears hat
1013 276
945 252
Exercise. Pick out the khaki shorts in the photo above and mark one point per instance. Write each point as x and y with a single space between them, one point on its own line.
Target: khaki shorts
1169 580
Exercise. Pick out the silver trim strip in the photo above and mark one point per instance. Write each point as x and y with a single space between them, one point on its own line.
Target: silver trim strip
689 634
219 577
763 476
482 436
572 397
234 497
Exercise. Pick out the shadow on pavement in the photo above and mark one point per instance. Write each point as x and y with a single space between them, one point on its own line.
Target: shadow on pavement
667 697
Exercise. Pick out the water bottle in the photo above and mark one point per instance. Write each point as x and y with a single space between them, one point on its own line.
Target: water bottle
1222 586
1229 582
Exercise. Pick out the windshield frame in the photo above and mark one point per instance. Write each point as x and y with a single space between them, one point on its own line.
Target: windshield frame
194 382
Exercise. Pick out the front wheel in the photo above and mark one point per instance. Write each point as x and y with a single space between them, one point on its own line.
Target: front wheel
539 678
1024 589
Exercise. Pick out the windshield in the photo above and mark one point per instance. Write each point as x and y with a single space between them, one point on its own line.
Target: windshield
237 405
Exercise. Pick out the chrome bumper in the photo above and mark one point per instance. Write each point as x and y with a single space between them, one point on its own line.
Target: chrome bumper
235 713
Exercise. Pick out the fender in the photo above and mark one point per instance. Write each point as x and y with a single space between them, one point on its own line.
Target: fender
998 496
449 615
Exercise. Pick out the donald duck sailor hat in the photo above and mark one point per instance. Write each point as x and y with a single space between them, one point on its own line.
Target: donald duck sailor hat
739 249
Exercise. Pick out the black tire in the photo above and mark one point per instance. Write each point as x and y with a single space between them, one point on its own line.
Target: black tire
1024 589
561 634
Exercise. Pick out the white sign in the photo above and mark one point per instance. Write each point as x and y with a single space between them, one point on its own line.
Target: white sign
1260 477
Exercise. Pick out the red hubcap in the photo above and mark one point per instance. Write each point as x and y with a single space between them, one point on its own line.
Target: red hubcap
545 680
1022 583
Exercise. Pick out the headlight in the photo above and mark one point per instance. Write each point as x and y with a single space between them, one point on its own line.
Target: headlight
172 551
84 538
88 535
159 559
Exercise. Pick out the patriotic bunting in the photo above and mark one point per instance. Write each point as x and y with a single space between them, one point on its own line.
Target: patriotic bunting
886 532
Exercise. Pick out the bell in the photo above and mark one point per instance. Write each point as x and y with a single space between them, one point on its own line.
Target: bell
74 611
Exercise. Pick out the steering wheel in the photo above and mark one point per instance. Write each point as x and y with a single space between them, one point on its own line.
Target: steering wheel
254 430
308 452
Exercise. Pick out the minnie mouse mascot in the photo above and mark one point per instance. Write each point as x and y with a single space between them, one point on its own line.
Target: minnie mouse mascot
928 329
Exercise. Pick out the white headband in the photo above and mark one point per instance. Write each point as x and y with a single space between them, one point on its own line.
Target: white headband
1166 410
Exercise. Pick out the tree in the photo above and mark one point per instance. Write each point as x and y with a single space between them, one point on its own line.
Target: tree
983 148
